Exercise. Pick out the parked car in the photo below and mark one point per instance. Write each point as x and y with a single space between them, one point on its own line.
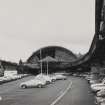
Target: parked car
7 78
88 78
98 84
53 78
60 77
101 93
33 83
98 88
93 81
1 80
99 100
103 102
45 77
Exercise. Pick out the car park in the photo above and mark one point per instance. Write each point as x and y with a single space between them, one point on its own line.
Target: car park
97 87
100 97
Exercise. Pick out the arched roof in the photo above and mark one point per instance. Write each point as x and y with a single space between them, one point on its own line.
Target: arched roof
53 51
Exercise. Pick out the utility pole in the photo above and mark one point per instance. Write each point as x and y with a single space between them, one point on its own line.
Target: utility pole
47 67
41 60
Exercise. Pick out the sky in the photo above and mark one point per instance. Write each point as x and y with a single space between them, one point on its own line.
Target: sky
28 25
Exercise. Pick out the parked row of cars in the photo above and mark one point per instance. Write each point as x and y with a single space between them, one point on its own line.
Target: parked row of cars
79 74
41 80
9 78
98 88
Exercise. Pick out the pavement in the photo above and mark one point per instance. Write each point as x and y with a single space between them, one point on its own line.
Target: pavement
73 91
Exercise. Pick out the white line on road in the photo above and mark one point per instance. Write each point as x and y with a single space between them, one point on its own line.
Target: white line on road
62 94
0 98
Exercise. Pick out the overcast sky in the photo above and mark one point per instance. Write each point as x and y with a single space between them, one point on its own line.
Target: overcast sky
27 25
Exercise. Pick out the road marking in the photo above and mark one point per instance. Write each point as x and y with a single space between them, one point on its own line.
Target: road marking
62 94
0 98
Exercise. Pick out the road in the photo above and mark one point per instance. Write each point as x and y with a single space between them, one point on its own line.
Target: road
73 91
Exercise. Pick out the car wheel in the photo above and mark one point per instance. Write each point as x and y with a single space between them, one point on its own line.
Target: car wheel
39 86
53 80
24 86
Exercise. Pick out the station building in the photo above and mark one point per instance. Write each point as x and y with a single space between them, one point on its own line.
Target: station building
56 56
